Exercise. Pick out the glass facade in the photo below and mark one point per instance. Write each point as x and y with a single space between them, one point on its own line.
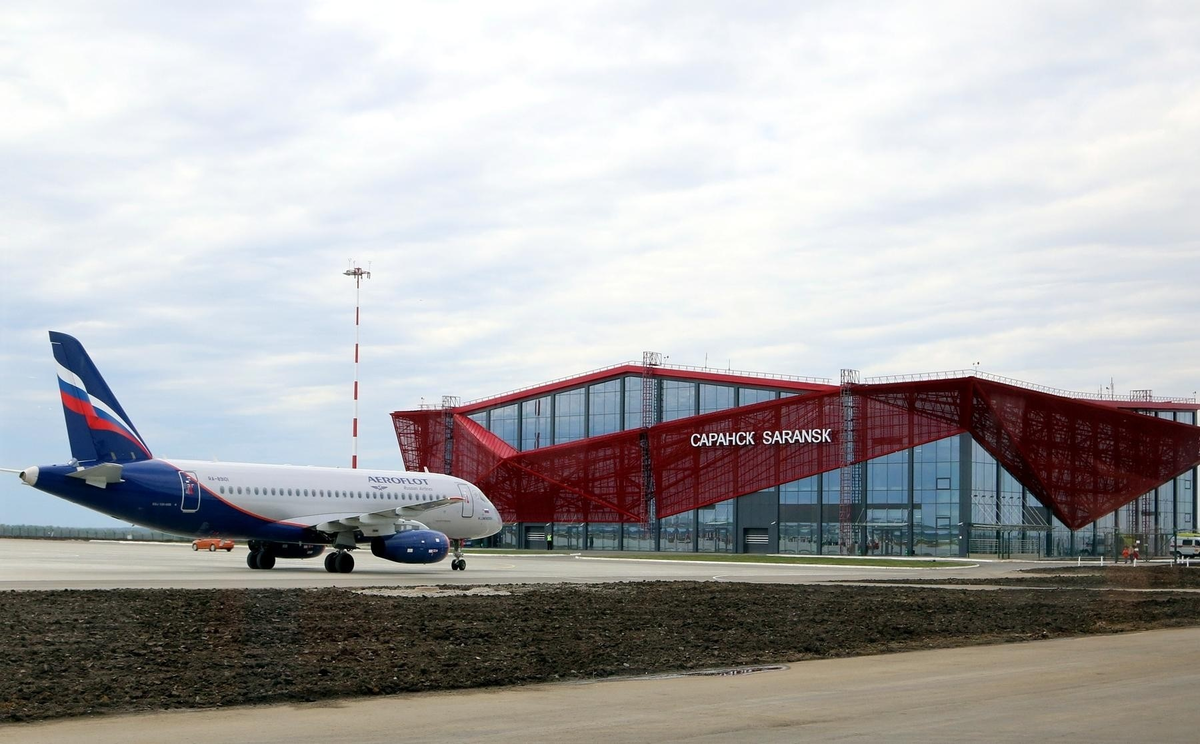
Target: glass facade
936 497
800 516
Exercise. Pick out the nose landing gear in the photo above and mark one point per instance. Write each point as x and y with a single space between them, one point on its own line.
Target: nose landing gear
339 562
459 563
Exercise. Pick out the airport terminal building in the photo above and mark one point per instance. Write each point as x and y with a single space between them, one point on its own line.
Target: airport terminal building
654 457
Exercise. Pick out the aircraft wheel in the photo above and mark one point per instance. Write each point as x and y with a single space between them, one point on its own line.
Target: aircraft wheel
344 562
212 548
252 559
331 563
265 561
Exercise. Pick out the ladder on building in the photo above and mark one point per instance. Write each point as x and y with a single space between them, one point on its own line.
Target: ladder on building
850 487
650 360
449 403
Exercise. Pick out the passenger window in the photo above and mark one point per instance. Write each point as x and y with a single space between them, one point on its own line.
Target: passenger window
239 489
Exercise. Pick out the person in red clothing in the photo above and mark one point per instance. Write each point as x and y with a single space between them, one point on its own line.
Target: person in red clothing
1125 555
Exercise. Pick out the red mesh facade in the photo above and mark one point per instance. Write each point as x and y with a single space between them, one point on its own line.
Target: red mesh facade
1082 460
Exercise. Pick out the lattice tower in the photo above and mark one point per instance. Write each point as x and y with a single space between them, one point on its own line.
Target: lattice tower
650 360
449 403
851 472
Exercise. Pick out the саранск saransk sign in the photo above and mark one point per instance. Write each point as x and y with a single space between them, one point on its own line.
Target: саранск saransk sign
751 438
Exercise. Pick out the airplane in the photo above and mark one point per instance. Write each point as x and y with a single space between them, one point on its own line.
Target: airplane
283 511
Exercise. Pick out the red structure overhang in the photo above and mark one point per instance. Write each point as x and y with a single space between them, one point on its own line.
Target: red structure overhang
1081 459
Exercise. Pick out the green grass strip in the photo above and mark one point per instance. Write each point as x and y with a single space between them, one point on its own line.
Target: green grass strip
801 560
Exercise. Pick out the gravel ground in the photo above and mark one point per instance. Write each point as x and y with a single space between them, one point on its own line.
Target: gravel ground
72 653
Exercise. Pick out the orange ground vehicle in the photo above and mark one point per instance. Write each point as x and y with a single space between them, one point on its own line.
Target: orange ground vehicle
212 544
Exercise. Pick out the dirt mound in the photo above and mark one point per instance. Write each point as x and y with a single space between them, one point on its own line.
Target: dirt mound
72 653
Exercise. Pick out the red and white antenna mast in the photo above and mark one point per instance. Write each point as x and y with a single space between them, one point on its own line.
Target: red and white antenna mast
359 274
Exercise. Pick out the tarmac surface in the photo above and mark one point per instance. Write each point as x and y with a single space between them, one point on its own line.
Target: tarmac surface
44 564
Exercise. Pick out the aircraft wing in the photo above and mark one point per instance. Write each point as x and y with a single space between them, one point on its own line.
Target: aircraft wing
377 522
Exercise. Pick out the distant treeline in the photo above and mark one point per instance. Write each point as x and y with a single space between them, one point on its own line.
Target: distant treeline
50 532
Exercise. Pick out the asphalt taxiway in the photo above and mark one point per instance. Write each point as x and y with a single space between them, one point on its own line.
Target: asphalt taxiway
45 564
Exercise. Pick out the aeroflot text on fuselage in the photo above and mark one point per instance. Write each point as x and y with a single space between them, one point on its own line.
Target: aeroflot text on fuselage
748 438
401 481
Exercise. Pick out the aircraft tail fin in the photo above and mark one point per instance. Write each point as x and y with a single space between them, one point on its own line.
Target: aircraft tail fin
97 426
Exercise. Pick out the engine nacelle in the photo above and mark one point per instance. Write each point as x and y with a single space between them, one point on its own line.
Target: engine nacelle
412 546
288 550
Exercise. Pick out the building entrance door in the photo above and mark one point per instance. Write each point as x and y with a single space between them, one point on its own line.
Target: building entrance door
887 540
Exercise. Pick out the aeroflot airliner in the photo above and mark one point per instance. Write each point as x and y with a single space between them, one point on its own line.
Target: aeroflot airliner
283 511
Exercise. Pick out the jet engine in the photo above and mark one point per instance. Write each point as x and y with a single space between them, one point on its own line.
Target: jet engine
411 546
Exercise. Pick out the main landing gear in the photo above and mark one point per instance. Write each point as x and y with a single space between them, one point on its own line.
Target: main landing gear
339 562
260 558
459 563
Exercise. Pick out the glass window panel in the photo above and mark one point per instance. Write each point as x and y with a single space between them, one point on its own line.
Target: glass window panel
603 536
716 527
568 415
535 423
604 408
746 396
679 399
634 403
504 424
675 533
715 397
638 537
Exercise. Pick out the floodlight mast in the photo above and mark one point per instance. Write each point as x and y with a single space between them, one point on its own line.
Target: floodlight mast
359 274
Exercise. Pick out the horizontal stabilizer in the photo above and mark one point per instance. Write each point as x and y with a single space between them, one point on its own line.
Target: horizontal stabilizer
100 475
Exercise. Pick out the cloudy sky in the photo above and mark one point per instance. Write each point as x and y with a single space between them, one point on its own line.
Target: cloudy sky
541 189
